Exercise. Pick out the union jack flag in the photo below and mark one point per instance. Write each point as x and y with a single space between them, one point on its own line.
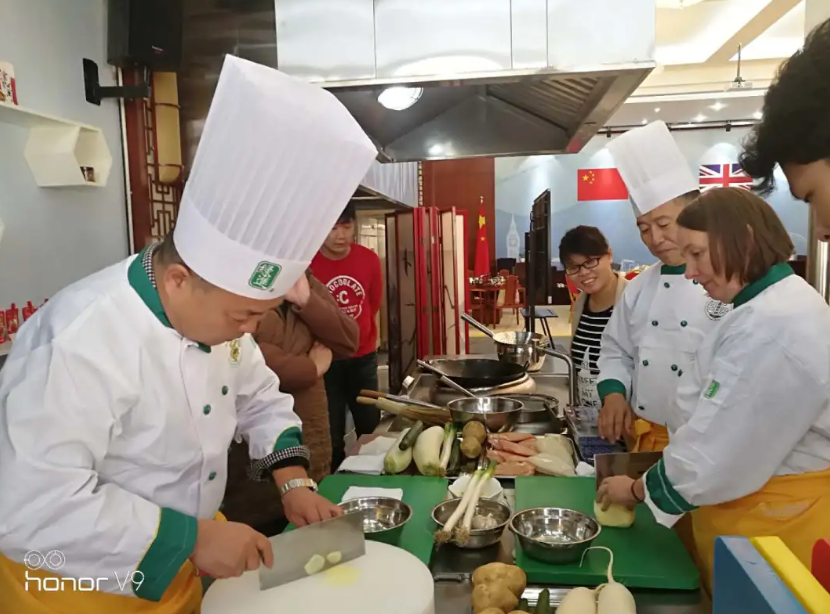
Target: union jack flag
723 176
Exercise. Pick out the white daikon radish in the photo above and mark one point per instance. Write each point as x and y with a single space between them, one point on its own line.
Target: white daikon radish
462 534
613 598
397 460
442 536
615 516
578 600
552 465
427 452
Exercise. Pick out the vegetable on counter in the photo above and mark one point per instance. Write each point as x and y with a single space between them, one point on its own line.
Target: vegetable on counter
446 447
543 605
473 436
427 451
615 516
486 596
578 600
455 458
396 459
462 535
314 565
497 588
501 573
411 436
614 598
444 535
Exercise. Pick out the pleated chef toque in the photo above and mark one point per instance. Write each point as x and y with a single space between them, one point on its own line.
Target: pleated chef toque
278 161
652 166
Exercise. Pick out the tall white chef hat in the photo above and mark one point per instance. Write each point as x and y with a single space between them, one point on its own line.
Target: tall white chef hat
652 166
277 163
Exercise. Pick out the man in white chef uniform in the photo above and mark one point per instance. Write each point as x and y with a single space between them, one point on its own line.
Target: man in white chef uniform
653 333
122 395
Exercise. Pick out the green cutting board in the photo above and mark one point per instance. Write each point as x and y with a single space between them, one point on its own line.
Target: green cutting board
646 555
420 493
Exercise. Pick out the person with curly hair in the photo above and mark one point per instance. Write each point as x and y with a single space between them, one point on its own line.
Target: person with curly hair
794 131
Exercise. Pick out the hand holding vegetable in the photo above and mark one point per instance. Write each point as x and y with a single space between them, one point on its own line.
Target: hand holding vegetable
617 489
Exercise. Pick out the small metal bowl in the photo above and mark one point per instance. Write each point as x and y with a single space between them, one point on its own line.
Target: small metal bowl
498 414
554 534
479 538
383 517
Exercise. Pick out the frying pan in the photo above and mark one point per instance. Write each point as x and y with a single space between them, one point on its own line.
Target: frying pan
523 348
479 372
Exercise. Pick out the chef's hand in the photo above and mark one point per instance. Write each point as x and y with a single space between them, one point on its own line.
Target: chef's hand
303 507
299 293
618 489
228 549
615 418
321 355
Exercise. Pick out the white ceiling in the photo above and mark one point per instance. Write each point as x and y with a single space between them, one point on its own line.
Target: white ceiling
696 55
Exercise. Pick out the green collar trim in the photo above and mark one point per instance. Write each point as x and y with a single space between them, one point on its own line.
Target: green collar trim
680 269
145 288
776 273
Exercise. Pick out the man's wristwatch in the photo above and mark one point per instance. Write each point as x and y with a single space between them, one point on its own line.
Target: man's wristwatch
298 483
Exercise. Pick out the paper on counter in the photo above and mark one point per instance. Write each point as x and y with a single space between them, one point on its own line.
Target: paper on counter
379 445
358 492
585 470
369 464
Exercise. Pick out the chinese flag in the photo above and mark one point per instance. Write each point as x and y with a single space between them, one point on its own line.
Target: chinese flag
482 265
600 184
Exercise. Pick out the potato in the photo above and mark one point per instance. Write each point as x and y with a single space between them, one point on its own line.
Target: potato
495 595
470 447
509 575
615 516
492 611
474 430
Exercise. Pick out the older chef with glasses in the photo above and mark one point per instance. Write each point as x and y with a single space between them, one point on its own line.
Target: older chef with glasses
650 340
121 397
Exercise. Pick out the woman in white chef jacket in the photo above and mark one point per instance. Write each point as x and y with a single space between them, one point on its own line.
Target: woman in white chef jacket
121 397
750 433
655 329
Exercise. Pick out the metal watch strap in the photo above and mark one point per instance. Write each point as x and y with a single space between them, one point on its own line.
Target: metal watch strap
298 483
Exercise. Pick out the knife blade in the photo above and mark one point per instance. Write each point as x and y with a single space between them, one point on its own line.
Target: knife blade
632 464
293 549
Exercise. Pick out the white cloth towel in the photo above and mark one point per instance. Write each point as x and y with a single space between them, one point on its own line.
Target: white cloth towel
585 470
379 445
369 464
358 492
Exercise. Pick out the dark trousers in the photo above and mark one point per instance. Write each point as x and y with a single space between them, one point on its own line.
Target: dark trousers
344 381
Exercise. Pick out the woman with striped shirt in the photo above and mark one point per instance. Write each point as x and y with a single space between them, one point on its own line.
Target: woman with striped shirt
585 254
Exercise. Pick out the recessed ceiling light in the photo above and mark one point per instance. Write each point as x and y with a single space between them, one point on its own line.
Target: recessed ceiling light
717 106
436 150
700 118
400 98
757 115
656 109
645 121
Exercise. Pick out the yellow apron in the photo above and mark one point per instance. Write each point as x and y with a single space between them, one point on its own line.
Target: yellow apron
795 508
649 437
183 596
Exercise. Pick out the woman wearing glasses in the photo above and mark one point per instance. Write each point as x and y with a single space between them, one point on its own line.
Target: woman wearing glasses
585 254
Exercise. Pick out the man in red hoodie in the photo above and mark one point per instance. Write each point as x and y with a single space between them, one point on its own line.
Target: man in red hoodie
352 274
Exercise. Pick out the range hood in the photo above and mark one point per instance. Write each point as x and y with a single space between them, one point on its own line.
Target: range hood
497 77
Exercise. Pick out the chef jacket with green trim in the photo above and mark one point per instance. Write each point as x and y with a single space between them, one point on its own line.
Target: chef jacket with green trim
756 404
649 344
114 430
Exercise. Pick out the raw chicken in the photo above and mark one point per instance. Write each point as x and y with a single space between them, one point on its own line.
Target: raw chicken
504 457
511 436
550 464
515 468
513 448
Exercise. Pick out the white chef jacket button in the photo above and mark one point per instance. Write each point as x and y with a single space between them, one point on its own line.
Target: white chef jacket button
674 367
645 363
654 322
212 476
206 409
666 284
684 323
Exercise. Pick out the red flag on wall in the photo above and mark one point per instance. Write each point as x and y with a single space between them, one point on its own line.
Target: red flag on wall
600 184
482 265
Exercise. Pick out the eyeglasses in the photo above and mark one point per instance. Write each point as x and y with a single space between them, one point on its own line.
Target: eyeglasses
590 263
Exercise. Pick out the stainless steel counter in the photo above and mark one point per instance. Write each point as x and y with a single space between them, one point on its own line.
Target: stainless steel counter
452 567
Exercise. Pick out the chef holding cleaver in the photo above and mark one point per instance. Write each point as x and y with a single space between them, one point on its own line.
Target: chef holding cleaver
650 340
121 397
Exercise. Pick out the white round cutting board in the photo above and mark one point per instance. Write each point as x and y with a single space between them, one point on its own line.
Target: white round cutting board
386 579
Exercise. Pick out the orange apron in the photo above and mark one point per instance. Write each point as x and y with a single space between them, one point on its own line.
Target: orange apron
649 437
795 508
183 596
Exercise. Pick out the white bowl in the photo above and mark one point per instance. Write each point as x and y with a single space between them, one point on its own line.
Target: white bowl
491 490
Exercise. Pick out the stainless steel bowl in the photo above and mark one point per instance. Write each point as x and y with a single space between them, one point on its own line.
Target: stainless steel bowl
479 538
554 534
521 348
383 517
498 414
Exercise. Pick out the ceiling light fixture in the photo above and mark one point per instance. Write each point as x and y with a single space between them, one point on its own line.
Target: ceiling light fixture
717 106
400 98
656 109
645 121
699 118
757 115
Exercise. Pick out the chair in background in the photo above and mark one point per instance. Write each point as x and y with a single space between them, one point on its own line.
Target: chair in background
512 297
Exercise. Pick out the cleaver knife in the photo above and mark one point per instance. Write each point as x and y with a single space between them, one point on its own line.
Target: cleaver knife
632 464
293 549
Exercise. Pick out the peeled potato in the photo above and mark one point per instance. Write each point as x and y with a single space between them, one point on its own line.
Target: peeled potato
615 516
501 573
492 611
497 595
